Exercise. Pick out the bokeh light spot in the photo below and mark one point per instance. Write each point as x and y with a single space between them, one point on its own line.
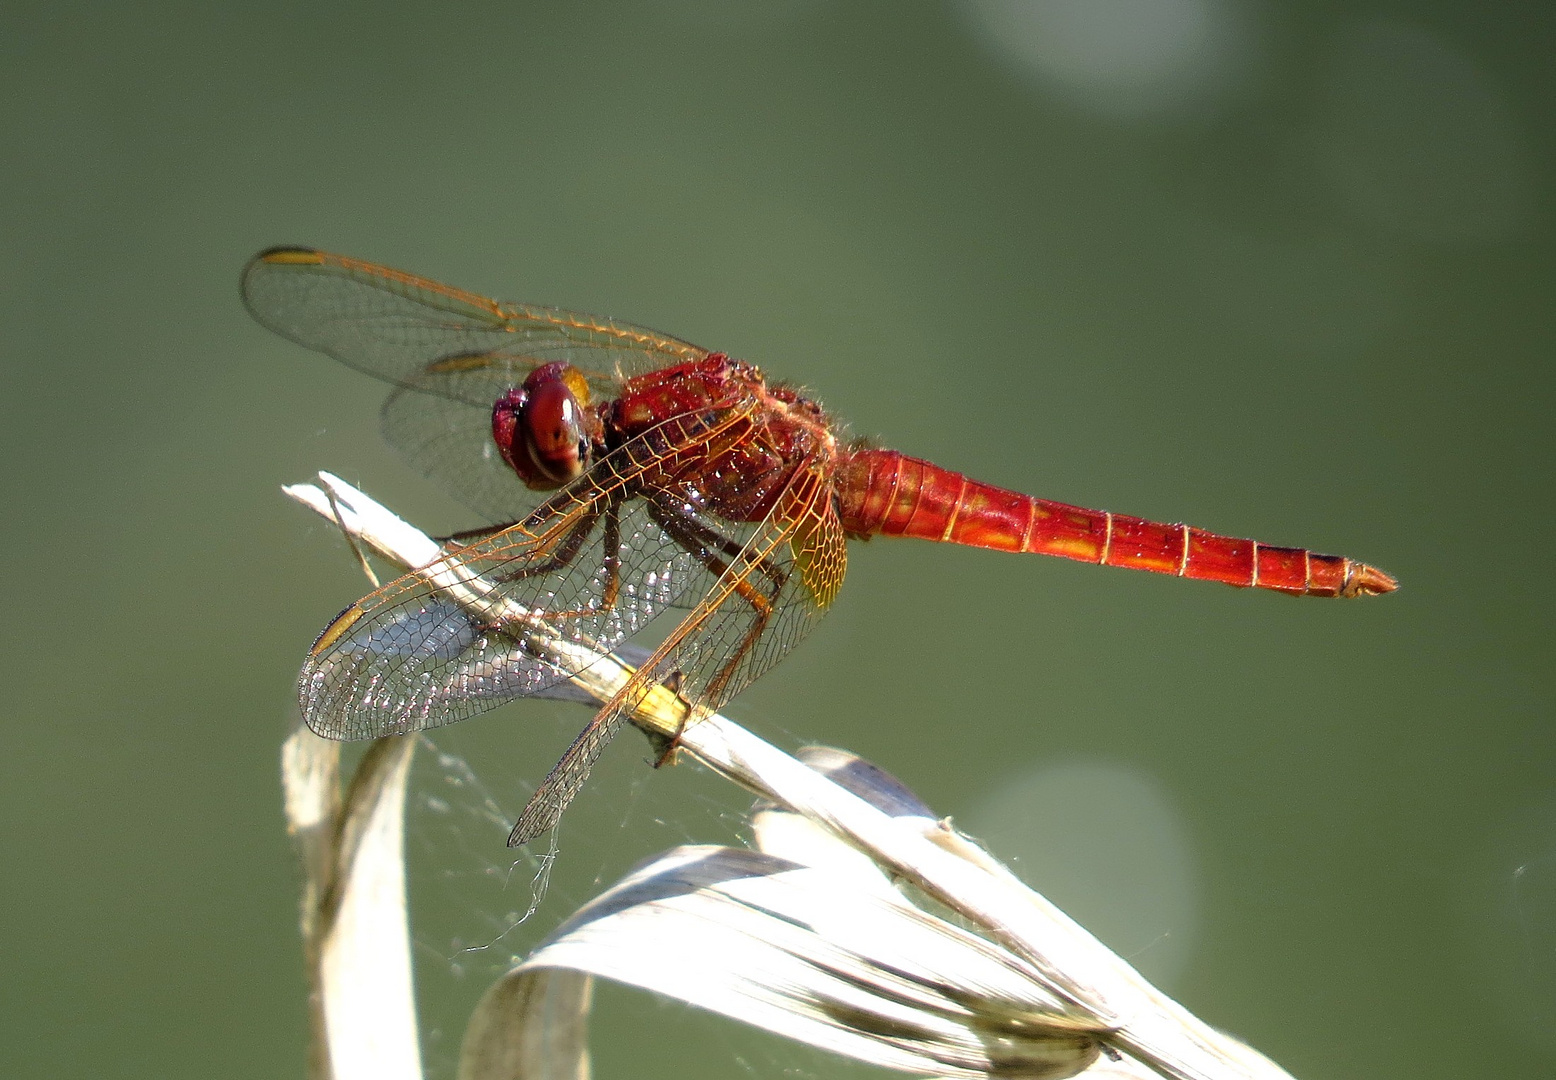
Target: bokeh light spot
1129 58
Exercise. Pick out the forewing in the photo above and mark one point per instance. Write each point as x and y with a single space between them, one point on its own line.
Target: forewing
396 326
443 643
769 597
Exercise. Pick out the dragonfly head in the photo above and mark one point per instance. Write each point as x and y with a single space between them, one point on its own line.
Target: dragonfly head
545 429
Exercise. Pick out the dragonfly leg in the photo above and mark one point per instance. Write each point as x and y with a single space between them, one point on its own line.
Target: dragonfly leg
764 613
610 543
466 536
567 551
688 533
697 539
667 745
561 556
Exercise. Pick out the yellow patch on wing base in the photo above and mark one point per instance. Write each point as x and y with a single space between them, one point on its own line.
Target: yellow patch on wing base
821 558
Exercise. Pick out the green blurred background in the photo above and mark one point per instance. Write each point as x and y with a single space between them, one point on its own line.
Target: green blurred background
1281 271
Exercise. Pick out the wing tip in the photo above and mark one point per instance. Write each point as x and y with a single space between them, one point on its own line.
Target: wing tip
529 826
289 255
252 292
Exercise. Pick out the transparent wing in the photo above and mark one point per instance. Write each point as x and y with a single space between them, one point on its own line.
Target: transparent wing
594 563
450 442
766 597
397 327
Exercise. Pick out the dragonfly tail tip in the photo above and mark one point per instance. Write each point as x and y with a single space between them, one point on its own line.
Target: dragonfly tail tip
1370 581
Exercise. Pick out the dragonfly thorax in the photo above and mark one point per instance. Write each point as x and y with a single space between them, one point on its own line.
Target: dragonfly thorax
545 430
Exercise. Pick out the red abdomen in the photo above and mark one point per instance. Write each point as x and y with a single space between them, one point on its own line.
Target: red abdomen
882 491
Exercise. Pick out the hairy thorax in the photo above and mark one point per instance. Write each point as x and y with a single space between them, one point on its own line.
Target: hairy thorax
766 432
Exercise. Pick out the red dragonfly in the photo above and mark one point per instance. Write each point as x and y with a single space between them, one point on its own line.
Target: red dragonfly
629 473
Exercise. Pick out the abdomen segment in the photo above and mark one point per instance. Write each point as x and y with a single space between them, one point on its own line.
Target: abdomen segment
882 491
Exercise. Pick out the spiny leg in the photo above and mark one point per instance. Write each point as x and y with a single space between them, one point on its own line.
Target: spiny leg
693 537
688 532
610 542
467 536
573 544
562 555
567 551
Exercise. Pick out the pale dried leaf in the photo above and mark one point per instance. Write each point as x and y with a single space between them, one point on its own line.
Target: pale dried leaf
310 782
804 953
1087 986
530 1025
365 960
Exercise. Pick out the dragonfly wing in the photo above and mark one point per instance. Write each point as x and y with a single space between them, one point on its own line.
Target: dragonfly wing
450 442
766 598
773 594
444 643
562 784
395 326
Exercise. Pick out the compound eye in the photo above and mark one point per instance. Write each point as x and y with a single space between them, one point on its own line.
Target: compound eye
508 433
544 429
554 430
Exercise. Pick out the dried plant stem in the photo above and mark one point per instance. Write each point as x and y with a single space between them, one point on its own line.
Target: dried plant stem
1139 1020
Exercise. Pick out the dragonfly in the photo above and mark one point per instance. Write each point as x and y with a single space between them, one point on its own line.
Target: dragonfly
628 476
